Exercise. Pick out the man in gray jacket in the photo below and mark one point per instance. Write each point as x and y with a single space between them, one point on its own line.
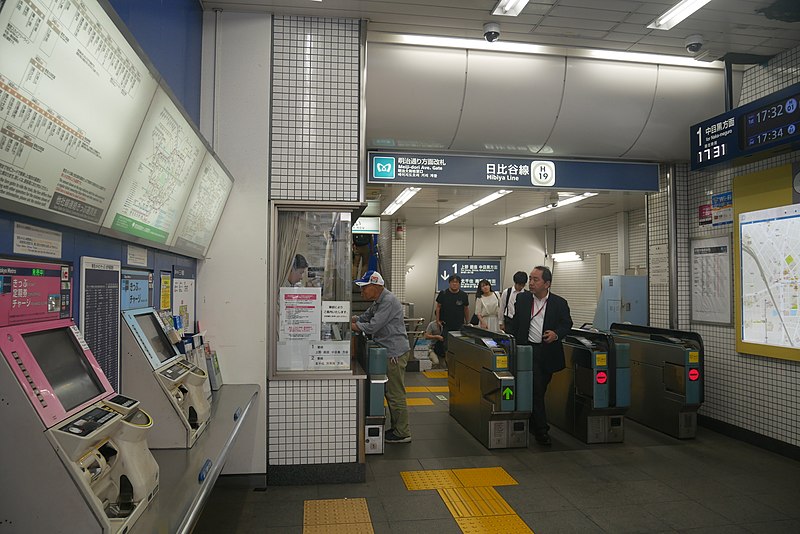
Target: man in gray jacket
384 321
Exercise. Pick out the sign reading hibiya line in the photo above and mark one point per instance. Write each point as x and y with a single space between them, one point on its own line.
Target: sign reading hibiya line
446 169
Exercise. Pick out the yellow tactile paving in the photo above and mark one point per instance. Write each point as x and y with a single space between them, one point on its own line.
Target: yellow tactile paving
335 512
493 524
423 401
416 389
439 389
473 502
427 480
484 476
435 374
348 528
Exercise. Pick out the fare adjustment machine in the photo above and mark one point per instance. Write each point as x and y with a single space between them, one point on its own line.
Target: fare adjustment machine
76 456
153 369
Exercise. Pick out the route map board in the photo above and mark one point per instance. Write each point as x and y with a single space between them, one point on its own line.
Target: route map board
100 313
204 208
159 175
770 276
73 95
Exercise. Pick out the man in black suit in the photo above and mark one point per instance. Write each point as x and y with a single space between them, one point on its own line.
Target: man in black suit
541 319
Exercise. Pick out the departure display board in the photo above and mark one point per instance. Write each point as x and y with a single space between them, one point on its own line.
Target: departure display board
204 208
750 132
159 175
100 313
73 94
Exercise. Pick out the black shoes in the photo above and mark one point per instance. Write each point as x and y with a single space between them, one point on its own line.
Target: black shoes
391 437
543 440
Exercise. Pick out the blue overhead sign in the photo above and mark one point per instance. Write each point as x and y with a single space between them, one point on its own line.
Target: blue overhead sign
749 132
496 171
471 272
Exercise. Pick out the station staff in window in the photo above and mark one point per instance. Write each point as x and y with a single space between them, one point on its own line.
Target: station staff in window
541 319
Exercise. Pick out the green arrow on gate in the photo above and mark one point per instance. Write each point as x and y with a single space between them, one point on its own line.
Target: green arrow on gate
508 393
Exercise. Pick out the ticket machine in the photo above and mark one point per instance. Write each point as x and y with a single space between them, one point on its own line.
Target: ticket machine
491 386
153 369
75 453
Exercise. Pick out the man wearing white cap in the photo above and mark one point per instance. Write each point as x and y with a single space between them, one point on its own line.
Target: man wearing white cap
384 321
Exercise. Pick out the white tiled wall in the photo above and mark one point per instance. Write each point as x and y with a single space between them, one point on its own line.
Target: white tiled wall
752 392
316 76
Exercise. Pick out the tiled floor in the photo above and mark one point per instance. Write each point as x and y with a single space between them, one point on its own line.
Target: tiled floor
650 483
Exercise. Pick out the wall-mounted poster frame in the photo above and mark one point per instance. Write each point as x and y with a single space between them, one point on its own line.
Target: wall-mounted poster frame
711 262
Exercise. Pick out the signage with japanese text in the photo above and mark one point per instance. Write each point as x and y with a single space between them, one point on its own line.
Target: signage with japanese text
471 272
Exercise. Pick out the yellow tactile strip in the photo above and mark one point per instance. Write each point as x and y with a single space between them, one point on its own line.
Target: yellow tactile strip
493 524
439 389
484 476
468 493
427 389
337 516
433 479
474 502
414 401
435 374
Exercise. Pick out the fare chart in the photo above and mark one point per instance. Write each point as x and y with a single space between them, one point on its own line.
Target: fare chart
73 94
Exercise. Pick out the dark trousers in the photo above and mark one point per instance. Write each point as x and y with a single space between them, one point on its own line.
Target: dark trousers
541 379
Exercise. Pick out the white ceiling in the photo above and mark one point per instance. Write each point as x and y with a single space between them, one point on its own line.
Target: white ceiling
733 27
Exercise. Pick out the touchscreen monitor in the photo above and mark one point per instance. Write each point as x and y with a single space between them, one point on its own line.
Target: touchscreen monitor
163 349
65 366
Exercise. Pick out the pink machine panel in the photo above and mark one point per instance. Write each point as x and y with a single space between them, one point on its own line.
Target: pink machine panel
34 291
55 368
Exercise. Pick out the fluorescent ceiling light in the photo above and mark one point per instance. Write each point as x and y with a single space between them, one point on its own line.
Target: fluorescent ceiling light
509 8
543 209
677 13
567 256
475 205
528 48
401 199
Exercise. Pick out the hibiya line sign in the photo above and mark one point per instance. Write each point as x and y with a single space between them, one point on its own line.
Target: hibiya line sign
750 132
441 169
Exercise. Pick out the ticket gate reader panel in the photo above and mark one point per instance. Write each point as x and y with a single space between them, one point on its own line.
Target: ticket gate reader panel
490 382
666 377
584 399
372 358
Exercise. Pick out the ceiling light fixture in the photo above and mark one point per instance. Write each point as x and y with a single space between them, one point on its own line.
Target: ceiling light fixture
677 13
543 209
475 205
567 256
401 199
509 8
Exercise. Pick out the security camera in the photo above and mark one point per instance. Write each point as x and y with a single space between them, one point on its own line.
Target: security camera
491 31
553 199
694 43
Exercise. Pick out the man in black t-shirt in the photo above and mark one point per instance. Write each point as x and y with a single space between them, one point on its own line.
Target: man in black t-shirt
452 307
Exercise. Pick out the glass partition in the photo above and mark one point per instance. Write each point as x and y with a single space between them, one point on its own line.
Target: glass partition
311 289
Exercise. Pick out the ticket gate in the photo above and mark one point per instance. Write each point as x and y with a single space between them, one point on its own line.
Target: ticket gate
666 377
590 396
372 358
491 386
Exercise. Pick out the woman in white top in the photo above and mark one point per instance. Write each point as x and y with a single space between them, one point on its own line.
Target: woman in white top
487 307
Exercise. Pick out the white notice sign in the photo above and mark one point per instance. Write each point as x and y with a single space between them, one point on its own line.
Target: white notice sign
336 311
36 241
659 265
299 325
137 256
711 280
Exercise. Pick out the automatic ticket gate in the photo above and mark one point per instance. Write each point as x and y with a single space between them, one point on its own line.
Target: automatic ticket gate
666 377
491 386
589 398
372 359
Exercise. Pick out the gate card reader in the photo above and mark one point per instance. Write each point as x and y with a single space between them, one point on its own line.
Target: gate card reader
78 448
153 369
491 386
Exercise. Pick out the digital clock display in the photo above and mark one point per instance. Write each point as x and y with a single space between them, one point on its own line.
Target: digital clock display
776 121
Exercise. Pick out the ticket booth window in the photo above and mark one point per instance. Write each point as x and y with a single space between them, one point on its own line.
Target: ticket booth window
312 288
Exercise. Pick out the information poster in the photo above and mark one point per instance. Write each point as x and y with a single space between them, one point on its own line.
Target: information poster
137 286
36 241
100 284
299 325
183 303
73 95
159 175
711 280
165 291
722 209
204 208
659 265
